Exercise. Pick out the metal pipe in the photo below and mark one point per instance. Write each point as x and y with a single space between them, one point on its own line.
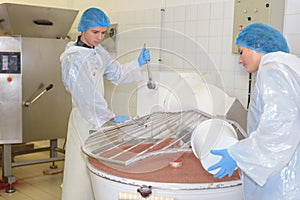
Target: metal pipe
32 162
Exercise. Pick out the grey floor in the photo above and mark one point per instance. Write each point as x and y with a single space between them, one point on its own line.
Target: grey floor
32 183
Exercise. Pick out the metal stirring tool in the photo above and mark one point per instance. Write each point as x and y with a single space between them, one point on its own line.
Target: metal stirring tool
150 84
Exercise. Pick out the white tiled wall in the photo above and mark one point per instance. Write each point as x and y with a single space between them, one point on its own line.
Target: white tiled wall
199 33
292 29
197 38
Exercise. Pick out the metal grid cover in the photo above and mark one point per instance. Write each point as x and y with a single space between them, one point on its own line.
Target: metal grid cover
144 137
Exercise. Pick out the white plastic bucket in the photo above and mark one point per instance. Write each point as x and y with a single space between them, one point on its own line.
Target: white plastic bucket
212 134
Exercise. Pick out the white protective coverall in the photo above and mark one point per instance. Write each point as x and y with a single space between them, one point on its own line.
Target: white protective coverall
270 157
83 70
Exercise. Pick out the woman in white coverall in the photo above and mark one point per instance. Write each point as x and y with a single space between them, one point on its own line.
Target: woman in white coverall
269 157
84 65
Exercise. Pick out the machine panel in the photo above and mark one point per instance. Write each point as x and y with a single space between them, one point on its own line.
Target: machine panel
10 62
250 11
10 91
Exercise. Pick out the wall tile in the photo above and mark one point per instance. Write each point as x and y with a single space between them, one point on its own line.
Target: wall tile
227 27
292 24
203 28
228 9
191 13
191 28
204 11
294 42
216 27
292 6
215 44
179 14
169 16
228 63
241 81
217 10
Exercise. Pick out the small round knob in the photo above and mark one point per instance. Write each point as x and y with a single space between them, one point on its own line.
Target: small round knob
145 191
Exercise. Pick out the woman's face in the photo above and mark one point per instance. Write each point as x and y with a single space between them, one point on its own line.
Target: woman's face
93 36
249 58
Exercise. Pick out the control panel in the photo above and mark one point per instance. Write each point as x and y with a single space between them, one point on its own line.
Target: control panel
270 12
10 62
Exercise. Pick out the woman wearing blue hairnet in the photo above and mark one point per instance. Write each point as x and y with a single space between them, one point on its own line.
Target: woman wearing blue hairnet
84 65
269 157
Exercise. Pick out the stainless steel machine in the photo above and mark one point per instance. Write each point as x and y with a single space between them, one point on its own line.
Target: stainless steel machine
34 105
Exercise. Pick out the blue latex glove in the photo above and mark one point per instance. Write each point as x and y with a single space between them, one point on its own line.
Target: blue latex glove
227 164
120 119
144 57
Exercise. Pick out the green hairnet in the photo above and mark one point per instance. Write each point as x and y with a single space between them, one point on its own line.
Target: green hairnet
91 18
262 38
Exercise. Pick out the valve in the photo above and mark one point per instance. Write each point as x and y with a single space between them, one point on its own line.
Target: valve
145 191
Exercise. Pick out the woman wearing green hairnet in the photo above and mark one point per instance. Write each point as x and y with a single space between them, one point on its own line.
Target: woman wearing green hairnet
85 63
269 157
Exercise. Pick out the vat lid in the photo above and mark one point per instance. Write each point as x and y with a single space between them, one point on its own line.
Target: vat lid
153 136
157 134
35 21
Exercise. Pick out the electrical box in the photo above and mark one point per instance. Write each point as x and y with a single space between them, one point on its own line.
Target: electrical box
269 12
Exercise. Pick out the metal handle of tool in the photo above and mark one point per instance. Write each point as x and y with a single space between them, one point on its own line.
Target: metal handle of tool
33 99
150 84
149 74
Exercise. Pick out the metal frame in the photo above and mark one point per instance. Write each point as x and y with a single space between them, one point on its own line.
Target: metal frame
8 164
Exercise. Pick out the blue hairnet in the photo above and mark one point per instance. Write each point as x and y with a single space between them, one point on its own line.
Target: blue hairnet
262 38
91 18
